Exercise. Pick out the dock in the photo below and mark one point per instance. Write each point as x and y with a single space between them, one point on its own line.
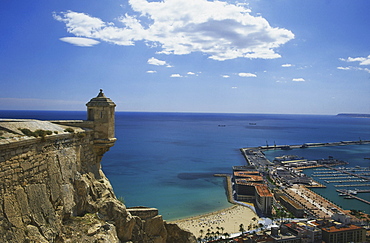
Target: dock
353 196
348 173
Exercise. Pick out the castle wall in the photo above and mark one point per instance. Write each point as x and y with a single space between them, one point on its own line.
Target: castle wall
28 161
52 189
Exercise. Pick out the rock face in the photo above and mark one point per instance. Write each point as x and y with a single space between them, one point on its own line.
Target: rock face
52 188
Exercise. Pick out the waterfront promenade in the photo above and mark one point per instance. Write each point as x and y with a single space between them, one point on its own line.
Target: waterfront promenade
312 202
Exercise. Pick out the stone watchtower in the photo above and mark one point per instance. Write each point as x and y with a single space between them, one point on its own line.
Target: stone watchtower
100 111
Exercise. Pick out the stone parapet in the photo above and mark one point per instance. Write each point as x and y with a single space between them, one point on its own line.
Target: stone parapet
143 212
75 123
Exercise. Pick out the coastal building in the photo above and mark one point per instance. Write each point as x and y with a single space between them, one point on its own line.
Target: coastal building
292 206
264 198
307 232
244 168
250 187
341 217
334 232
289 177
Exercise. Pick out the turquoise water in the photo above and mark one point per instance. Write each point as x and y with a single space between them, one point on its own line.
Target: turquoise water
167 160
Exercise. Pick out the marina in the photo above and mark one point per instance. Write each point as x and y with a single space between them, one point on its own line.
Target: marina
287 171
352 179
345 177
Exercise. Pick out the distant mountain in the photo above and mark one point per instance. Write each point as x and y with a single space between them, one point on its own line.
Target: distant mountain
354 115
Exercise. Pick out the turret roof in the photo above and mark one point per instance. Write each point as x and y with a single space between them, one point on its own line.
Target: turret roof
100 100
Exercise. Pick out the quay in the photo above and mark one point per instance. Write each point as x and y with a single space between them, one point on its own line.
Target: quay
353 196
307 145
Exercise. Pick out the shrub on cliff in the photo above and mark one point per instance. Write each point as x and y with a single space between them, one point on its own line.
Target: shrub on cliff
37 133
69 130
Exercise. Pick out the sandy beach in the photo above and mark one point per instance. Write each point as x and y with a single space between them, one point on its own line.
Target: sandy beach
225 221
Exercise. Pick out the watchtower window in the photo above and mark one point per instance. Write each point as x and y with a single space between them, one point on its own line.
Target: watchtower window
101 114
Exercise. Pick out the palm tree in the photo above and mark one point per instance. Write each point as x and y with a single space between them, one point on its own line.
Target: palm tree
260 225
208 237
241 228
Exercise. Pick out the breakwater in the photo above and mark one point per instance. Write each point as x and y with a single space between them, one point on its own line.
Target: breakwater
307 145
229 192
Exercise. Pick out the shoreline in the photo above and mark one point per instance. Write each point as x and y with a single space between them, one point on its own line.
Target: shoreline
226 220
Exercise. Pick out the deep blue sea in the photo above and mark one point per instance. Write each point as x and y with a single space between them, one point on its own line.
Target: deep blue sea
167 160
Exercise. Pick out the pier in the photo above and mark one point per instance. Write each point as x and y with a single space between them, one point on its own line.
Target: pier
343 181
353 196
352 185
349 173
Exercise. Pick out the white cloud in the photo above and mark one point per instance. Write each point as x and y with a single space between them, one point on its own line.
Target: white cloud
176 75
219 29
154 61
354 68
151 71
80 41
298 80
80 24
362 60
225 76
247 75
287 65
234 87
191 73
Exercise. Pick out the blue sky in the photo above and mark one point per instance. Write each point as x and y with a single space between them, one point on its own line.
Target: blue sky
259 56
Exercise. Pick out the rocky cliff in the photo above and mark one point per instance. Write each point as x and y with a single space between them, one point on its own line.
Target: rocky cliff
52 189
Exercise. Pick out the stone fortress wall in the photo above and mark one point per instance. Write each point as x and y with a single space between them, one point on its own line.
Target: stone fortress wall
52 189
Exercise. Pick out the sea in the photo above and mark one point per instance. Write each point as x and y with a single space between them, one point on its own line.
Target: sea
167 160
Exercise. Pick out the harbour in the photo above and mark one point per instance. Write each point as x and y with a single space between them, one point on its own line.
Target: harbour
334 174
